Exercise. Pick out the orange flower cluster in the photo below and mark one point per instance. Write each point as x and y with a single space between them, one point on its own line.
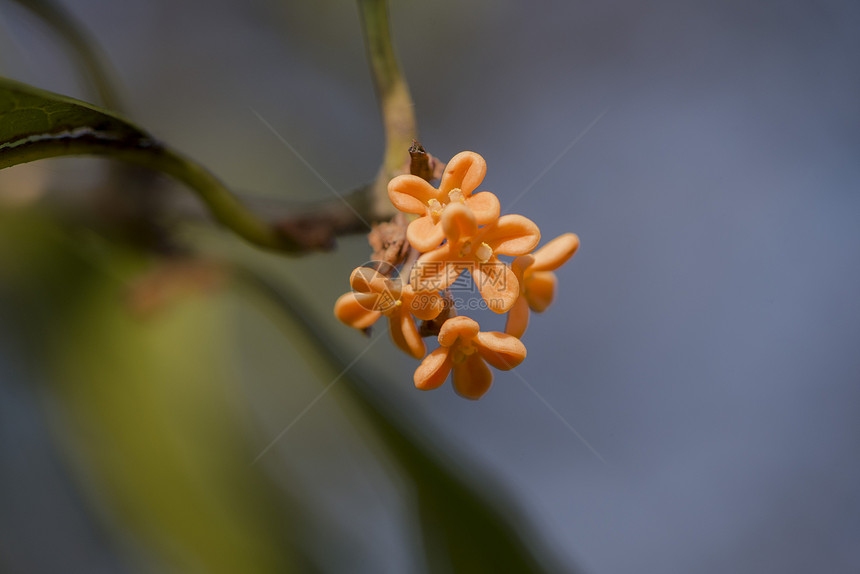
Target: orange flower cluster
457 230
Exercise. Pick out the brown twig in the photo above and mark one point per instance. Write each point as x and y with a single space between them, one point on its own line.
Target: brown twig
423 164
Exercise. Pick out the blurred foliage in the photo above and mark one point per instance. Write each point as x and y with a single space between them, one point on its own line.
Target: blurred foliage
155 424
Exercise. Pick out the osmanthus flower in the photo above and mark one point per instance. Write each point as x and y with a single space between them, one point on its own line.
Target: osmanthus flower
476 249
466 350
537 281
374 295
463 174
455 229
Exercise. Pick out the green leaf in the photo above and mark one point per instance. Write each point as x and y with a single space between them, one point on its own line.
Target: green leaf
35 124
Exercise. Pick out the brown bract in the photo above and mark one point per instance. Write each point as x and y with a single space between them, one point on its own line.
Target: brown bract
388 241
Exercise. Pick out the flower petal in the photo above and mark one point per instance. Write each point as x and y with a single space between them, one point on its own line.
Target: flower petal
436 270
355 313
511 235
457 327
497 283
433 370
553 255
425 235
540 290
520 264
485 206
369 280
472 378
405 334
518 318
458 223
502 351
466 171
410 193
425 305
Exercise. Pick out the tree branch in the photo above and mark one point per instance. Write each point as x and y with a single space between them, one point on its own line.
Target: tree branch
398 116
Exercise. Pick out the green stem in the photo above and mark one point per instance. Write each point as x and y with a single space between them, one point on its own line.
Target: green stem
221 202
150 154
398 115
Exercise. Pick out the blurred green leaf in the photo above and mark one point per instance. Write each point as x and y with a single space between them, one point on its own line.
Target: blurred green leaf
146 410
84 48
35 124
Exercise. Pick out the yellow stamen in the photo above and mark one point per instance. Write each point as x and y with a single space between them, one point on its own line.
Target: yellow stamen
434 210
456 194
484 253
462 351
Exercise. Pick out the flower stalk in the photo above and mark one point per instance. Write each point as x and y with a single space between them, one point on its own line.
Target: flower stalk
392 92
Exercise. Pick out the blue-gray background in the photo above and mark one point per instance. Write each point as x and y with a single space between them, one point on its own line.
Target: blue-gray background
706 338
